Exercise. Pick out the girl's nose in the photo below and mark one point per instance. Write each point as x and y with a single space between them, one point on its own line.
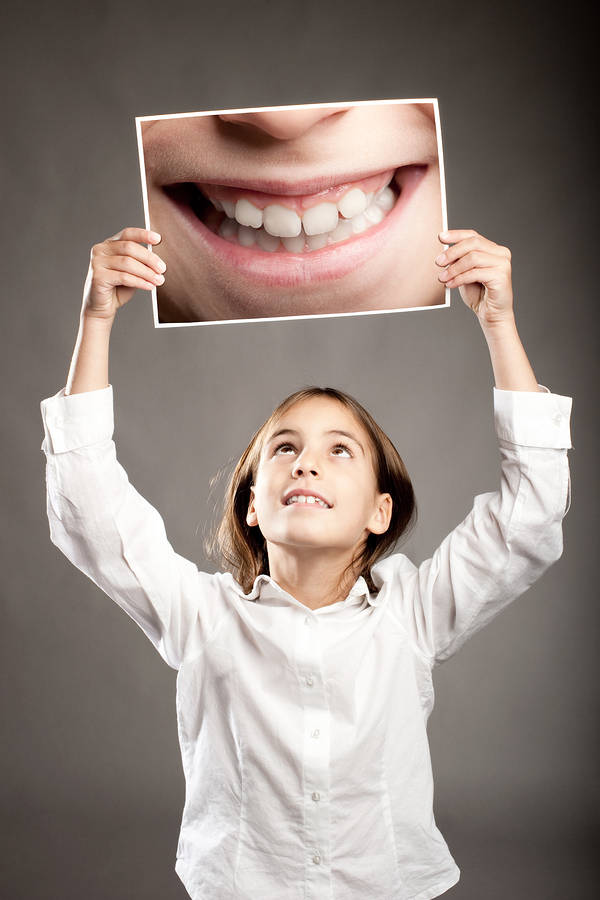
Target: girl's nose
284 124
304 467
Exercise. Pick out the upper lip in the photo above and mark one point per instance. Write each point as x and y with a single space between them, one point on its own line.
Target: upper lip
295 491
279 186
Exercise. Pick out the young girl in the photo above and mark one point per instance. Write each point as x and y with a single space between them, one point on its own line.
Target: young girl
304 673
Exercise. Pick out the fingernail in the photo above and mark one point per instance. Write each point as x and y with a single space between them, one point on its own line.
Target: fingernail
159 279
441 258
443 235
161 264
155 236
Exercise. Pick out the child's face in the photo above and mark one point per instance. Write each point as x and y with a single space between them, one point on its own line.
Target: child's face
319 449
206 173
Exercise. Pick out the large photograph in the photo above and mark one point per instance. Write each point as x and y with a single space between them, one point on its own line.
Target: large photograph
285 212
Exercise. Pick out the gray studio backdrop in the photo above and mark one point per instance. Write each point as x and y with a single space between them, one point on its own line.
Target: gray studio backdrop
92 787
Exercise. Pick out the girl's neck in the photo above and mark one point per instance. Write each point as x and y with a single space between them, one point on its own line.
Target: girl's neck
313 579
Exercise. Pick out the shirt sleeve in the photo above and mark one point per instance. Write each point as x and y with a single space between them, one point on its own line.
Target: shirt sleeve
113 535
510 537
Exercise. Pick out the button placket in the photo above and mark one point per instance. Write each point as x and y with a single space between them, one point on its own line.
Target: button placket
316 757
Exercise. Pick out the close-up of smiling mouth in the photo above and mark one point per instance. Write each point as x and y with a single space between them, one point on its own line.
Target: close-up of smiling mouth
294 234
305 498
295 223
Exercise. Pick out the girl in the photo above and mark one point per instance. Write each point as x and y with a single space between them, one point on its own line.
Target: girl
304 673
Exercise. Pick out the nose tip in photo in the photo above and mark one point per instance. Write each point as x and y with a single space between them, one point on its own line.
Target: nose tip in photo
284 125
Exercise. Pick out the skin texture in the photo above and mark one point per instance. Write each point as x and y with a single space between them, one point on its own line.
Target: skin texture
305 565
292 146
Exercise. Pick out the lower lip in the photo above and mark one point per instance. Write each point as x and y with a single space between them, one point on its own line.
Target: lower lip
307 506
283 269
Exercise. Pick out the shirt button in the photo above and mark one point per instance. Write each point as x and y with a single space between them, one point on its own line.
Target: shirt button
310 680
307 620
316 733
316 857
316 796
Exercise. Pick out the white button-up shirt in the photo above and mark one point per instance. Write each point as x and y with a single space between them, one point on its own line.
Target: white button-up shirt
303 732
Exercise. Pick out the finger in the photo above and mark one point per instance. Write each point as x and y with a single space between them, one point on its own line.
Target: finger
473 276
128 279
465 246
141 235
121 264
473 259
457 234
135 251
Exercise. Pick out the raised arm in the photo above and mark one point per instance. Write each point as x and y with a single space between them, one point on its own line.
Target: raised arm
96 517
118 266
512 535
481 270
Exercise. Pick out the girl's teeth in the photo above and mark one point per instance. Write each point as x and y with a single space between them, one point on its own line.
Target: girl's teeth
246 236
267 241
294 244
374 214
342 232
353 203
359 223
229 230
316 241
386 199
246 213
319 226
281 221
320 219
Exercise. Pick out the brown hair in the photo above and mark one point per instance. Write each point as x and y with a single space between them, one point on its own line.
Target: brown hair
241 548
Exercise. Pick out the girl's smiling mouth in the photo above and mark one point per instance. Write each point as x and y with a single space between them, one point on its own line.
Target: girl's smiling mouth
289 237
302 497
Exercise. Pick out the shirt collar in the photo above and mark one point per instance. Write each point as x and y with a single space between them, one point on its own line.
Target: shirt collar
264 586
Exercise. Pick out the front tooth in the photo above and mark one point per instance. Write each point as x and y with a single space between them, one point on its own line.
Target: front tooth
386 199
353 203
246 236
320 218
310 499
294 244
301 499
247 213
229 208
280 221
267 241
316 241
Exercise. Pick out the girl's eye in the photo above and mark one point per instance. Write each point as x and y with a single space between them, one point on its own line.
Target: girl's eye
283 449
341 450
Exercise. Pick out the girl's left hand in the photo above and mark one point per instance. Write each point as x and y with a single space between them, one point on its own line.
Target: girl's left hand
481 271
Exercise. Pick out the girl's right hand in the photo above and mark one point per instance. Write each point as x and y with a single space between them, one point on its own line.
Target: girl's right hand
118 266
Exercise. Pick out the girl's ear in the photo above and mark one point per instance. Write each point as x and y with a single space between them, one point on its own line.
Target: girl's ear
380 520
251 517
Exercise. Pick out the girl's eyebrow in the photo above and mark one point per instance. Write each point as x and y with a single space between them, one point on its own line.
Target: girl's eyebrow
331 431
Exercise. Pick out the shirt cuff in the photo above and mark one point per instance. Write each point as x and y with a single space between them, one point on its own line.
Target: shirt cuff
77 420
533 418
